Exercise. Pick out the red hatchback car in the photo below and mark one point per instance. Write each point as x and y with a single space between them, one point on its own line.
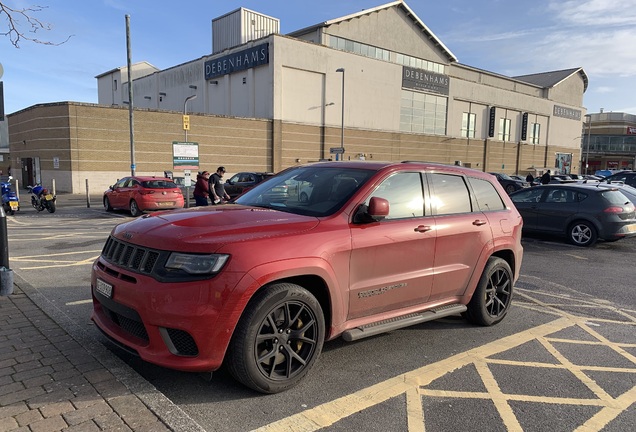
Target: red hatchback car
262 283
140 194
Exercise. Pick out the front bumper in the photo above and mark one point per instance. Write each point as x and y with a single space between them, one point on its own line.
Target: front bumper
178 325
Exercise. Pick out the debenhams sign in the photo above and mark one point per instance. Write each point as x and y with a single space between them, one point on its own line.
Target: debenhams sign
420 79
238 61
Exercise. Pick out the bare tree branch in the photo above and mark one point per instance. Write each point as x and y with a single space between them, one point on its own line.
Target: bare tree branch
17 19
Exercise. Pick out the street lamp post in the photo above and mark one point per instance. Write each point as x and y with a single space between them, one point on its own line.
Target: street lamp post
186 175
185 111
587 144
343 110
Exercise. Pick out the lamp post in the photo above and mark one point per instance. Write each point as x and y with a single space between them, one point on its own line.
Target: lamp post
342 119
185 111
587 144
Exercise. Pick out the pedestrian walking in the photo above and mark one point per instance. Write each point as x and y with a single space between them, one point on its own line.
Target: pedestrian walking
546 177
201 188
217 189
530 178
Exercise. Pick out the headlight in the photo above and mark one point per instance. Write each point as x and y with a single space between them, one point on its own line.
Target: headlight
196 264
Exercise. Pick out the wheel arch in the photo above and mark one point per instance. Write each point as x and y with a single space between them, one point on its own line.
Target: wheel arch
594 223
313 283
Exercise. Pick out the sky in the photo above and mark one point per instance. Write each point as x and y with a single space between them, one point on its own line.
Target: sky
508 37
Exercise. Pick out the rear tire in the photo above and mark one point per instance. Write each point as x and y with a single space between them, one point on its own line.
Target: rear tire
134 209
277 340
493 295
510 189
582 233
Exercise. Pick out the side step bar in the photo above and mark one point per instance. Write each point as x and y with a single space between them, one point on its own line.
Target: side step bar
401 322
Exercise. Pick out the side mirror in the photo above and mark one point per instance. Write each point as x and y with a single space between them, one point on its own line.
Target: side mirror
376 211
378 208
230 182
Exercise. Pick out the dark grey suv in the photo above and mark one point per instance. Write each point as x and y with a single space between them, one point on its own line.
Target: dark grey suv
583 213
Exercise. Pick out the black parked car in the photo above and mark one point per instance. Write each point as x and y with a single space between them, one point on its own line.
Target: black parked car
627 177
238 183
583 213
510 184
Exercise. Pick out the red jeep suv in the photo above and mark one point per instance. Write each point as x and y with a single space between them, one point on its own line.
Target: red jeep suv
261 284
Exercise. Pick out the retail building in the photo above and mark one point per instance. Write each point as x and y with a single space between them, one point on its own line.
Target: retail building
609 142
377 84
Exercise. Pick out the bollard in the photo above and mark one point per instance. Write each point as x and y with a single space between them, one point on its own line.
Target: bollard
6 274
88 196
6 281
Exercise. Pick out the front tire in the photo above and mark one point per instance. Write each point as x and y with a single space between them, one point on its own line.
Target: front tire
582 233
510 189
134 209
51 207
107 205
278 339
491 300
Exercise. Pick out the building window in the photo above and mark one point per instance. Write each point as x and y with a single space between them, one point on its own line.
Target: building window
423 113
468 124
382 54
535 128
504 129
115 85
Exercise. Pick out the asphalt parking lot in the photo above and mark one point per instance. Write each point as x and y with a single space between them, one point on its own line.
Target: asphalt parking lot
563 360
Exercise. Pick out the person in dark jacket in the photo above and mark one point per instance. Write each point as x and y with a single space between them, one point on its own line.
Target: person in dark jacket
530 178
546 177
201 189
217 189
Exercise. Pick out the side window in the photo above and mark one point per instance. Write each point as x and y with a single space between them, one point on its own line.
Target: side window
449 194
487 197
121 182
132 183
528 196
234 178
560 196
404 193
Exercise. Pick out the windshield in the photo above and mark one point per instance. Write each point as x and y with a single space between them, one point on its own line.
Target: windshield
309 190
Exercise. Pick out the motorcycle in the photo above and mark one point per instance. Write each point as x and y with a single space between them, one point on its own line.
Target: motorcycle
10 202
41 198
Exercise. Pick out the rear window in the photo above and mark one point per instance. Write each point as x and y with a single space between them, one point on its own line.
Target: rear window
487 197
615 197
159 184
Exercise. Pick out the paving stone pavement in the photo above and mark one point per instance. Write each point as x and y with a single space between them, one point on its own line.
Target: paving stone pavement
52 381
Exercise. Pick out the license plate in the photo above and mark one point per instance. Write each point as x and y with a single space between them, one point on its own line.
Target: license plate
14 205
631 228
48 197
104 288
165 204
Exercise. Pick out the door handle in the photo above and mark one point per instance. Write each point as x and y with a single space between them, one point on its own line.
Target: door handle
479 222
423 228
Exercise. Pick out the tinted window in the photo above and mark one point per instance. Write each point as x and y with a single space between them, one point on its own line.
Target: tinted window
561 196
614 197
529 195
159 184
449 194
404 193
487 197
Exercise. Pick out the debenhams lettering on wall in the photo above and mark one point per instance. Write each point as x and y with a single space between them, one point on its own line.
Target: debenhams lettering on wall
238 61
420 79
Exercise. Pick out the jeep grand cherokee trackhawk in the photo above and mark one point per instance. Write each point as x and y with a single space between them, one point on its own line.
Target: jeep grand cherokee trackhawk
262 283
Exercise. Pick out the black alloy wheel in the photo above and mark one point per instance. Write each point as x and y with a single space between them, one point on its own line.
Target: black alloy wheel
278 339
493 295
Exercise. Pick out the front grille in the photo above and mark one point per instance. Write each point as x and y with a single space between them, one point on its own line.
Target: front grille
183 342
133 325
133 257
